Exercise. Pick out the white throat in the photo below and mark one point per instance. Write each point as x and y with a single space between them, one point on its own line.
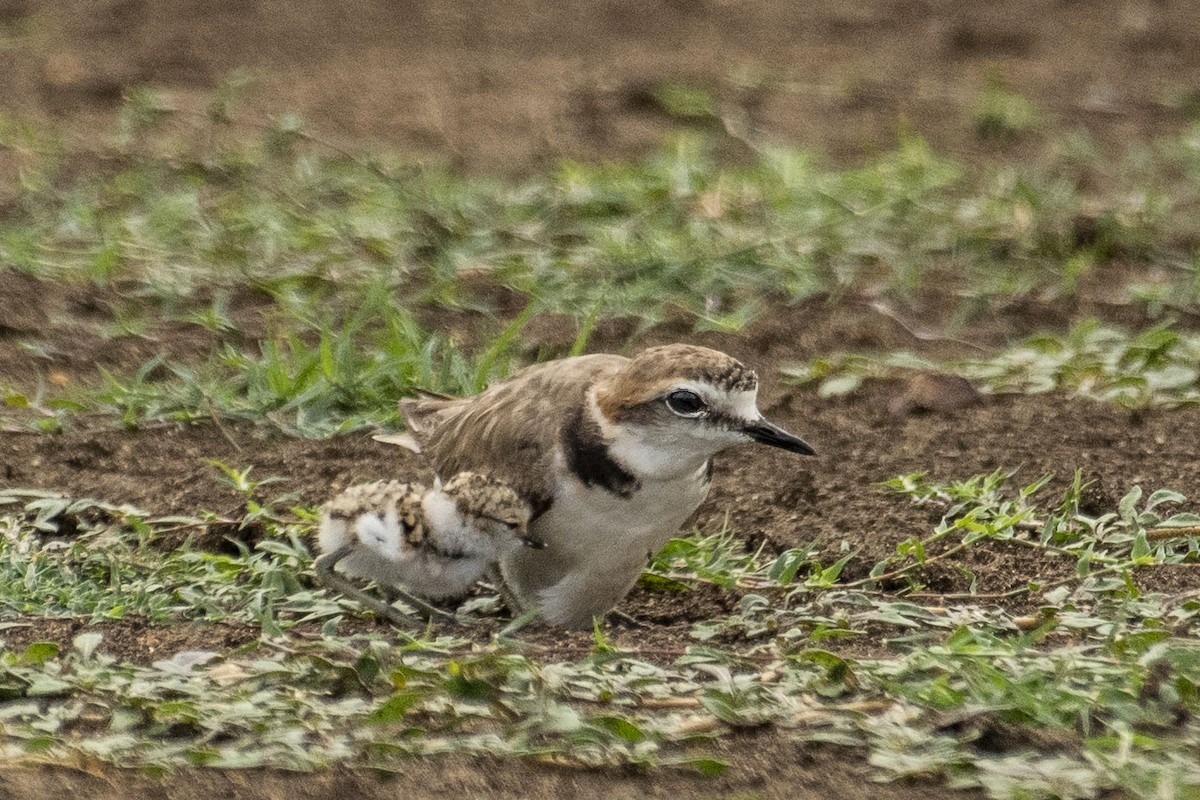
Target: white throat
659 453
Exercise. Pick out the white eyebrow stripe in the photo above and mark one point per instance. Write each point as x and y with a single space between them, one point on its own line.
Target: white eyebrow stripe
743 404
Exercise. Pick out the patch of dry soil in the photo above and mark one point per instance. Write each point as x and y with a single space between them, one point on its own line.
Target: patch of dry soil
506 85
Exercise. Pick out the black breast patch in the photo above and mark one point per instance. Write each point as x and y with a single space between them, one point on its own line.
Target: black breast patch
588 457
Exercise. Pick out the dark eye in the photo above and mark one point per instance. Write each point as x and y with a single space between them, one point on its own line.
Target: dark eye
685 403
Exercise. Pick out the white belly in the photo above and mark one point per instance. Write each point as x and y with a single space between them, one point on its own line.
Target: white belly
423 573
597 544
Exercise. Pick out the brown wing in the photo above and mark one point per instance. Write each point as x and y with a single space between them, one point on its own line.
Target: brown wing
510 431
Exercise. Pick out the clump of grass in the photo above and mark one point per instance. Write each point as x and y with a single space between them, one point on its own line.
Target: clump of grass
344 253
1001 113
315 376
197 203
1156 367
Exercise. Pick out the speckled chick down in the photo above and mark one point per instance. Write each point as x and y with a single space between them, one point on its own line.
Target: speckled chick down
436 542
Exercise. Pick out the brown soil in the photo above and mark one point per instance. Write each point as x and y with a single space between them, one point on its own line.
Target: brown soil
505 86
132 640
766 765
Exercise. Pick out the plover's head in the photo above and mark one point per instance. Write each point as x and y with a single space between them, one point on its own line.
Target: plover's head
692 400
490 506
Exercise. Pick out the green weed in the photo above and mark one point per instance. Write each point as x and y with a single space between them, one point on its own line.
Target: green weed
310 272
1155 367
1001 113
1106 671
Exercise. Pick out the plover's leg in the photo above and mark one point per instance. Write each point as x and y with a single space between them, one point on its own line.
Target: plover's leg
626 620
328 576
429 612
514 606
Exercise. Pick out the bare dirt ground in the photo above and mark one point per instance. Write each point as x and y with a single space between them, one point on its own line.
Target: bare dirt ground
506 85
768 766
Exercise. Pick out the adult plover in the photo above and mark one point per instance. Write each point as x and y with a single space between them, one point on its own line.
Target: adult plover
435 542
612 455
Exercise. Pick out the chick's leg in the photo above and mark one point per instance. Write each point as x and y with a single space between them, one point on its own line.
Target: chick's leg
329 576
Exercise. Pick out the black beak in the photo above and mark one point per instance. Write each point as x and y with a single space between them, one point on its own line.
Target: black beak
765 432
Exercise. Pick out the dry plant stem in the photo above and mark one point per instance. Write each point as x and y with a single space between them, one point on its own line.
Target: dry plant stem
823 712
958 548
668 703
650 704
1022 589
698 725
1163 534
1152 534
626 620
809 718
920 336
1061 551
576 651
216 420
205 523
142 426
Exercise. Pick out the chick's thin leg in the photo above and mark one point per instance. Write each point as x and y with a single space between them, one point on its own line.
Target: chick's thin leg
328 576
507 596
429 612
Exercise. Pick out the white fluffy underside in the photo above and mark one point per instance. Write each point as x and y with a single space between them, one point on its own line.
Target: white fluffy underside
383 555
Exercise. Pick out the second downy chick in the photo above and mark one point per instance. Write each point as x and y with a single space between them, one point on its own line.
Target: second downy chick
436 542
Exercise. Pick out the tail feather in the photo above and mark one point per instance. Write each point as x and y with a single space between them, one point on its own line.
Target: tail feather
406 440
429 394
423 414
420 417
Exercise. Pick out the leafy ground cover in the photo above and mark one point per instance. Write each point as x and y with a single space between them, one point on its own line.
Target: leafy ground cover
1083 660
